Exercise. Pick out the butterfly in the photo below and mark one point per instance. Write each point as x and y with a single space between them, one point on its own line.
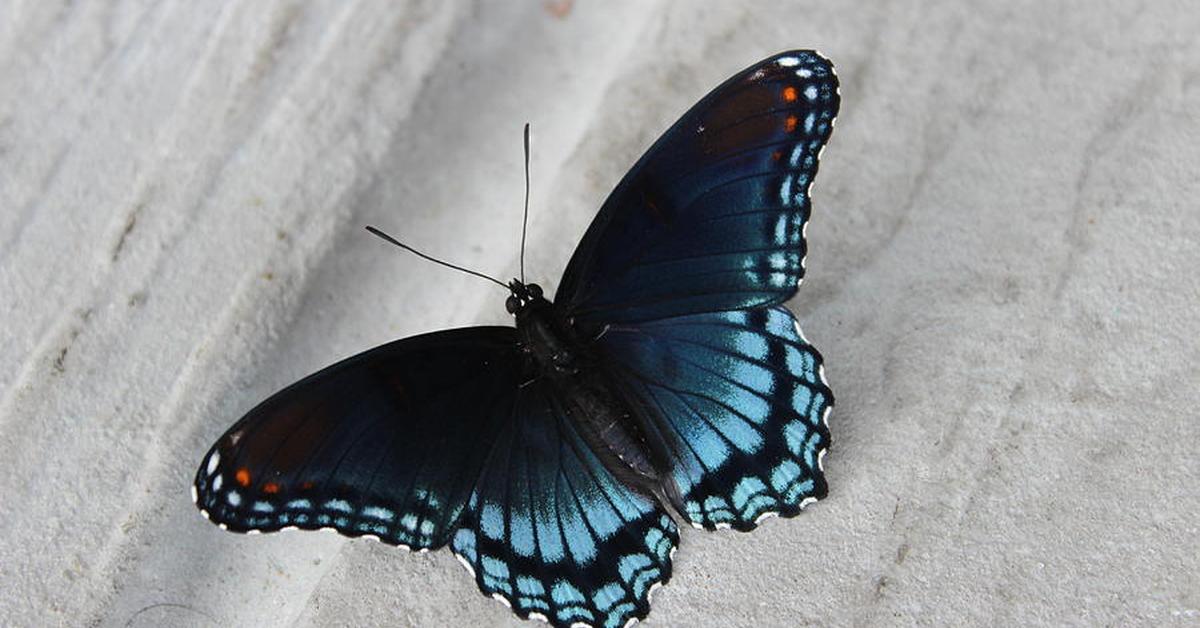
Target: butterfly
665 381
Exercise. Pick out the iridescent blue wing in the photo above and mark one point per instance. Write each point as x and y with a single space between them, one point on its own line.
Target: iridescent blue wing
712 217
433 439
553 534
387 443
740 399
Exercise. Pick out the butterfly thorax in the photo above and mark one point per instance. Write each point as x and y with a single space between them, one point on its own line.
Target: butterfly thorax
604 418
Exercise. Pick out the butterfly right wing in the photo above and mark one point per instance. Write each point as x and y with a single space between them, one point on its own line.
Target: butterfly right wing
551 533
387 443
712 217
740 399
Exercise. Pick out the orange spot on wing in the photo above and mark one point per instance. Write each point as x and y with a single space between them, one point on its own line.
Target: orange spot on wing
242 476
790 124
777 155
270 488
305 486
789 94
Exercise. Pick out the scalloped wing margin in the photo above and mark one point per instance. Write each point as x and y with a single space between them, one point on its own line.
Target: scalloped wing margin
387 444
553 535
713 216
741 400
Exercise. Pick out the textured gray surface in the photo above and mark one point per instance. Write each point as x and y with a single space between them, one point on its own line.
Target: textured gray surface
1002 277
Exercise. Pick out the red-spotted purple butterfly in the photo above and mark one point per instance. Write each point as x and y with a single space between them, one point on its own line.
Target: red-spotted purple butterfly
665 376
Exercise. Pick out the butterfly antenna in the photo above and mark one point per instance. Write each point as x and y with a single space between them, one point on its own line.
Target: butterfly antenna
525 220
410 249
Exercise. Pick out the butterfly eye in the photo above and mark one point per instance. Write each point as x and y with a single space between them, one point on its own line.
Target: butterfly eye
512 304
535 291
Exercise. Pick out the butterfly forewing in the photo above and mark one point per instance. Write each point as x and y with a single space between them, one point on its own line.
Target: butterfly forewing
387 443
712 217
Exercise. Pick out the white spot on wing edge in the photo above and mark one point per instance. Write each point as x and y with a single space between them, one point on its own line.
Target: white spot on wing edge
195 495
787 62
213 460
820 151
466 565
653 589
539 617
503 600
804 238
766 515
800 332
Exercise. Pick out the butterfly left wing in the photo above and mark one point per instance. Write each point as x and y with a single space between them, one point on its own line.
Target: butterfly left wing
741 402
387 443
551 533
712 217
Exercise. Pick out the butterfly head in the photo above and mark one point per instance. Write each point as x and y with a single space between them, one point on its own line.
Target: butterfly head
523 295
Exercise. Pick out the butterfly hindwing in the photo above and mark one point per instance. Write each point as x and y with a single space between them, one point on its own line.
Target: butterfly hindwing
553 534
386 443
712 217
741 399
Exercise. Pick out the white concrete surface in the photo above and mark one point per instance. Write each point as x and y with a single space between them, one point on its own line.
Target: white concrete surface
1002 277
